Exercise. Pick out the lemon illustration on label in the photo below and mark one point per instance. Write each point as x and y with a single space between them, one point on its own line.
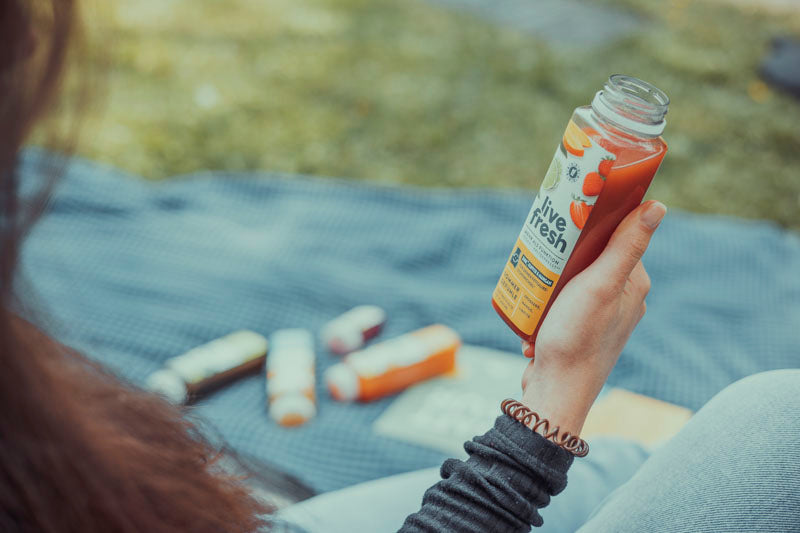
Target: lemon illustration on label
553 175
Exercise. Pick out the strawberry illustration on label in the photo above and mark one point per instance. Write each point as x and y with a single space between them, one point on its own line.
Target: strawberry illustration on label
605 166
579 212
593 184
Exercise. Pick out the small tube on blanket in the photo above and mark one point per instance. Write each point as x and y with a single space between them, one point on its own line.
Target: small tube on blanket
209 366
352 329
391 366
291 377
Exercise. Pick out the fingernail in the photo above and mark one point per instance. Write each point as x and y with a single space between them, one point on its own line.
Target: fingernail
527 349
654 214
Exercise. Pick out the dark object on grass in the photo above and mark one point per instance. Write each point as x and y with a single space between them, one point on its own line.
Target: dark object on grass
781 68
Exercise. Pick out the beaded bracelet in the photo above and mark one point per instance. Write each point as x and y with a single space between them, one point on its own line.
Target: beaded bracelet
519 412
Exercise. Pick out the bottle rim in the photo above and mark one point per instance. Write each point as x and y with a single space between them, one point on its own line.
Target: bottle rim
632 104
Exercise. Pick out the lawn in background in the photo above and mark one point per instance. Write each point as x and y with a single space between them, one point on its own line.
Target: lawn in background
401 91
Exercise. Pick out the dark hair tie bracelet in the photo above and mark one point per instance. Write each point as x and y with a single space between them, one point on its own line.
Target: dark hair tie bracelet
530 419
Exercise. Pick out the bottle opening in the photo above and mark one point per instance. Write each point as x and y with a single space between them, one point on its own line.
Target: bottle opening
632 104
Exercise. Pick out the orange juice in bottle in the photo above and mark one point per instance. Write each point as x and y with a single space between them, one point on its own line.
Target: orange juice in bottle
607 158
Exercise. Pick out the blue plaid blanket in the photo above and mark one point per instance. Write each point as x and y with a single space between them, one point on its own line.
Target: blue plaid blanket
139 271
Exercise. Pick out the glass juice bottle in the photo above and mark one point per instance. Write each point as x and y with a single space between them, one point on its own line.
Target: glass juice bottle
607 158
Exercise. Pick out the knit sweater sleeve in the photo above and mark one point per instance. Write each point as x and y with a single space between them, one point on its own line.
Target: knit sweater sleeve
510 474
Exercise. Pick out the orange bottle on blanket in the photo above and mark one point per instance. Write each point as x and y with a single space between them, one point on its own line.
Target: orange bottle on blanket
391 366
607 158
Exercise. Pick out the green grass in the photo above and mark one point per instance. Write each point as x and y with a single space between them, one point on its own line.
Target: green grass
399 91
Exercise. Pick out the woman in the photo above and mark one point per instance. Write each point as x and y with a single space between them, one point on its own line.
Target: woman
80 451
83 452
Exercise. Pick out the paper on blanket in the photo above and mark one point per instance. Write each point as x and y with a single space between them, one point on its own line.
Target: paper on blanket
445 412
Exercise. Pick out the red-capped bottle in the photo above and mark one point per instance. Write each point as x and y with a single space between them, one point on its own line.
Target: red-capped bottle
607 158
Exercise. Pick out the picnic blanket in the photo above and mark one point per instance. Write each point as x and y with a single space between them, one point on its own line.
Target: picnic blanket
136 272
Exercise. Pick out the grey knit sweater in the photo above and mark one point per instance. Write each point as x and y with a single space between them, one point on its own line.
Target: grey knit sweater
510 474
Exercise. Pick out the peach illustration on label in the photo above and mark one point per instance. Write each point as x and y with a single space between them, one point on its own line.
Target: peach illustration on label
575 140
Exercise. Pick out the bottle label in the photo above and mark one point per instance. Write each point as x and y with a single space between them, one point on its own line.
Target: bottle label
558 215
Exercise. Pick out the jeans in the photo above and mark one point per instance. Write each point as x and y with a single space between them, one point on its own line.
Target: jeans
733 467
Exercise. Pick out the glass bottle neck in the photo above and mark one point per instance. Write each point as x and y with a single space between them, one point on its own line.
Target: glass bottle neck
632 105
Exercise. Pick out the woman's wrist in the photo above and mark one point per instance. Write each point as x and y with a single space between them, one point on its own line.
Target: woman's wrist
564 402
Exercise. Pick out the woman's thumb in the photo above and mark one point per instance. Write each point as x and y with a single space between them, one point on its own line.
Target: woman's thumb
629 242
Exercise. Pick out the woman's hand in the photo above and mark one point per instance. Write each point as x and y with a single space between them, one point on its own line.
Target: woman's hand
588 325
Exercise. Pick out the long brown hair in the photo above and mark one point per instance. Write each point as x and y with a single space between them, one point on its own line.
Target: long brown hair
80 450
